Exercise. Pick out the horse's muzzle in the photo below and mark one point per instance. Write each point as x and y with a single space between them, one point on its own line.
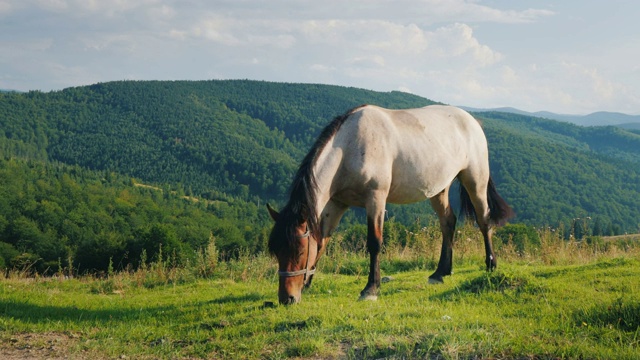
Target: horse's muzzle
289 300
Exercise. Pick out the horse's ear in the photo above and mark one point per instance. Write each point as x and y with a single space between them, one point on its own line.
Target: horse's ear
274 214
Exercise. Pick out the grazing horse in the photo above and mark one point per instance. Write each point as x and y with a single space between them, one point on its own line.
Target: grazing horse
371 156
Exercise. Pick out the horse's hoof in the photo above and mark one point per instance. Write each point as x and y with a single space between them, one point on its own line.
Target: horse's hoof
437 280
368 297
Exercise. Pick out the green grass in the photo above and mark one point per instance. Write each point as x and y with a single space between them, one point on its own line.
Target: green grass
568 300
522 310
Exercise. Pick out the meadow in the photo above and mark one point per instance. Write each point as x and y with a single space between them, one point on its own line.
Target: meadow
559 300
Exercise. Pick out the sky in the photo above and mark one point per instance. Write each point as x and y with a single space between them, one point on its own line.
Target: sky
571 56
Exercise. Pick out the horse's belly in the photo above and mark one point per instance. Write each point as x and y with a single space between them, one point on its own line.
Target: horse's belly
406 196
411 192
414 181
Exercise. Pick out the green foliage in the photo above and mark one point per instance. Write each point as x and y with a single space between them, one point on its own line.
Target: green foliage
236 137
52 213
523 237
551 175
501 281
7 254
355 238
623 314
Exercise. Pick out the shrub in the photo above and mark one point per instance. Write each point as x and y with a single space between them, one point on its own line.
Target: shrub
7 253
525 238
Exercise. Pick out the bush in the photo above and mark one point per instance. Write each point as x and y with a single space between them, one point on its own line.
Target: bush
7 253
160 243
95 253
355 238
525 238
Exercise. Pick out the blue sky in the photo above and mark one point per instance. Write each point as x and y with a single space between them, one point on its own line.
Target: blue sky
564 56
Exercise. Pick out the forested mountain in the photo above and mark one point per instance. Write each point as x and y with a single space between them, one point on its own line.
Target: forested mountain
236 137
236 144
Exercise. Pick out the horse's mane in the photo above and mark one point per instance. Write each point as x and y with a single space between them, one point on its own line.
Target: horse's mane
301 206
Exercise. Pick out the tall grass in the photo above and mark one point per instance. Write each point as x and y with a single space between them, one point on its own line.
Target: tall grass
420 250
407 250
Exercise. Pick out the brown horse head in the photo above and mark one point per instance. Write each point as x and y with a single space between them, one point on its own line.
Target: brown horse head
296 249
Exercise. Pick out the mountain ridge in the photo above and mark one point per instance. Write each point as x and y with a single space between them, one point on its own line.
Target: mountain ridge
598 118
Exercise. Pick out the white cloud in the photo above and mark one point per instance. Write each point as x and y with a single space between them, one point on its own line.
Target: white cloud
589 79
458 40
510 76
422 12
375 61
321 68
218 30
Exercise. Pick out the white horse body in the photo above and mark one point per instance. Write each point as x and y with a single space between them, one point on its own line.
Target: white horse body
403 156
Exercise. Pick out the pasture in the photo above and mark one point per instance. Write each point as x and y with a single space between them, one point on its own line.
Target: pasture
563 300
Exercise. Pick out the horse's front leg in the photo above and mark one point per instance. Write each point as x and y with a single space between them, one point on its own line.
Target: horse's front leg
374 244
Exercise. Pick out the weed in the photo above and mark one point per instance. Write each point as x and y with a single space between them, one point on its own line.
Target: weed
501 281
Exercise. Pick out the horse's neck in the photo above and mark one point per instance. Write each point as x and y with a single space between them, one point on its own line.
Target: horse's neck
325 169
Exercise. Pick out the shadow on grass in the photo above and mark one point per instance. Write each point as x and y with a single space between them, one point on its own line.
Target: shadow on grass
35 313
236 299
25 311
606 264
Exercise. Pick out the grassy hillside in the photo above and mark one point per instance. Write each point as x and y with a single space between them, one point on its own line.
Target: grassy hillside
565 300
244 139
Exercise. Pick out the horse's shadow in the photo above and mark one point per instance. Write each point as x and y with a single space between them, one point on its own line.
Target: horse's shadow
37 314
28 312
236 299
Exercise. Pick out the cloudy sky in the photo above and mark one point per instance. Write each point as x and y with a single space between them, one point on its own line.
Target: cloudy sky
570 56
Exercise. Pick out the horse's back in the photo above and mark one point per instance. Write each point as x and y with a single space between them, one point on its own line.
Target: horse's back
436 132
413 153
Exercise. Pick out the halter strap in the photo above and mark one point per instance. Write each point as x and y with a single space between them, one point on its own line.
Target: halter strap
306 270
306 234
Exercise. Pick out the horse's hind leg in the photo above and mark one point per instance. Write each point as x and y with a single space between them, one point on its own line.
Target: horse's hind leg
477 194
440 204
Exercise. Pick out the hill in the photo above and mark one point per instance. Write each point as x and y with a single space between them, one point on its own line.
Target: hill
235 137
241 141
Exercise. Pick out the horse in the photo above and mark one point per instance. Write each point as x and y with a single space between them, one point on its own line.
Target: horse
371 156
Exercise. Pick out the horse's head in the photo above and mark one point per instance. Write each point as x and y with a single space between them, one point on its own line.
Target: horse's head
296 249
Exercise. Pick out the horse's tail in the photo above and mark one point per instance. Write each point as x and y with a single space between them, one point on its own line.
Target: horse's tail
499 210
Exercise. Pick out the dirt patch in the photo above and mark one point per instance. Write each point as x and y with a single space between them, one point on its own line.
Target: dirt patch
54 346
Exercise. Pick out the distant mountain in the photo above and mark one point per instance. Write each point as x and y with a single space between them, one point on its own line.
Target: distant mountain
600 118
631 126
